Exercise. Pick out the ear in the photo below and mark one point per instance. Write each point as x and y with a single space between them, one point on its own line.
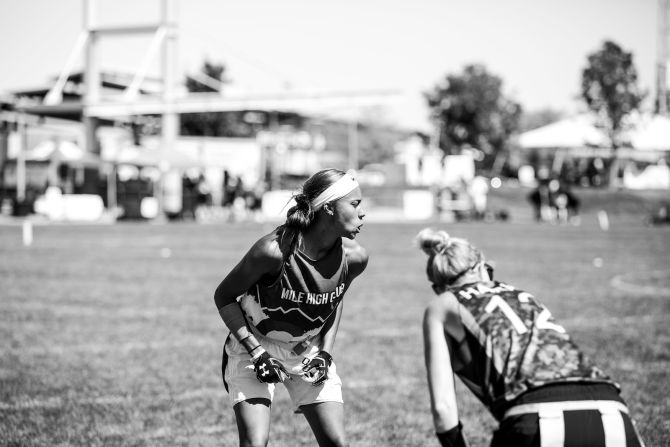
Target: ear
328 208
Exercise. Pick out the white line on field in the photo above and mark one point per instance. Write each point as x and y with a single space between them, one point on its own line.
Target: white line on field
638 282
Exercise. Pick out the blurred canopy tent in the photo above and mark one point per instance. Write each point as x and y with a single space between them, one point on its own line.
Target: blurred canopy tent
574 132
140 156
54 162
650 133
646 139
62 151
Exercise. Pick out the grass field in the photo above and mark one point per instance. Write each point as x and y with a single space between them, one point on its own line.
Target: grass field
109 334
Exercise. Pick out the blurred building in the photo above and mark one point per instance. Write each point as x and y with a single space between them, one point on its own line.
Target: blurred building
274 148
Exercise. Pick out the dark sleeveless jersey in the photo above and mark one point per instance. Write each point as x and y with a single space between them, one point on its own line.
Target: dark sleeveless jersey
294 307
512 344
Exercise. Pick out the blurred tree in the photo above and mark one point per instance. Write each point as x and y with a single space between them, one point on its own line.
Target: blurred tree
211 78
470 110
378 143
537 118
609 89
377 136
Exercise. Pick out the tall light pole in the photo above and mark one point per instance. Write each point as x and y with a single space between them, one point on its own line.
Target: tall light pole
662 57
352 142
170 118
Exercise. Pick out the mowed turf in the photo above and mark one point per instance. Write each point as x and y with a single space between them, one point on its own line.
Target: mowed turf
109 334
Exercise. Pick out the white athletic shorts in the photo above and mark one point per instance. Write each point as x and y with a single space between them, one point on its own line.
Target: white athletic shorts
242 384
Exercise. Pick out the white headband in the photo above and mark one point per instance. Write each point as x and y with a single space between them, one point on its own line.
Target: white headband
337 190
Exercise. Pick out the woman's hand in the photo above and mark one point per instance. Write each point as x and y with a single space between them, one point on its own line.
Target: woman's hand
316 369
269 369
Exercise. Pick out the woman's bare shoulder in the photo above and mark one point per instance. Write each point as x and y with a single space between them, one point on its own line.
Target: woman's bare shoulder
266 250
442 305
357 255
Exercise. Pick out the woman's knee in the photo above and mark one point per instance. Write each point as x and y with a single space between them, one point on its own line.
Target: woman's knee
253 422
332 440
340 441
254 440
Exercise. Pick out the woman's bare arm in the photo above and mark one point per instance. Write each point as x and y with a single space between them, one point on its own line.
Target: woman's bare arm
438 366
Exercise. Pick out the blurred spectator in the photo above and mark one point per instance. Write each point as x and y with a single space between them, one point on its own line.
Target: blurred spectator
553 201
595 172
661 216
189 197
569 172
229 189
453 202
204 194
437 197
239 187
255 201
564 202
478 189
540 199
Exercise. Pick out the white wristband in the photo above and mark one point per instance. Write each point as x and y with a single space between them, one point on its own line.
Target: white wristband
259 352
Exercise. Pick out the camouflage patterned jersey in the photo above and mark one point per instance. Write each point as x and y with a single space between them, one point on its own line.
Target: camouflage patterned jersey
512 344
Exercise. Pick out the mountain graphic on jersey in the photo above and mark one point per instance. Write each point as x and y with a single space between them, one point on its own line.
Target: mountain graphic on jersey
306 310
295 307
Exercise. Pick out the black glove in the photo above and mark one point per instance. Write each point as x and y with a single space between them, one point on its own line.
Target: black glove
316 369
269 370
453 437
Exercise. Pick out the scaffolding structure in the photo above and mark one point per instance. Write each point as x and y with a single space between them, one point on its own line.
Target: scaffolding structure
95 106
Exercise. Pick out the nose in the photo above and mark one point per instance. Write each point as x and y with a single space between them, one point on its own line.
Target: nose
361 213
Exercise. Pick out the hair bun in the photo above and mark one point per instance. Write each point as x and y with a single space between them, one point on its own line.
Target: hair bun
302 201
431 241
442 241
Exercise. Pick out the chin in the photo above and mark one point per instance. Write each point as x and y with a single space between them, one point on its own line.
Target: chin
351 234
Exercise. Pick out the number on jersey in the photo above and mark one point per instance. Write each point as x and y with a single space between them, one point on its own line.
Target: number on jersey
541 322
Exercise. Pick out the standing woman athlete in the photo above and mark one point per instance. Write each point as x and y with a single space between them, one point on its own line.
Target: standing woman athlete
282 304
508 350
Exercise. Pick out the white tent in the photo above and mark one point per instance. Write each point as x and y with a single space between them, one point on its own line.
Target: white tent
62 151
574 132
650 133
140 156
647 133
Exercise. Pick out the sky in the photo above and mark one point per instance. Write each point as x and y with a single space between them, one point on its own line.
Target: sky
537 47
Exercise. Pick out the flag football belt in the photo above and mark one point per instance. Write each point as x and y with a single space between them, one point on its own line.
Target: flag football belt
552 408
551 422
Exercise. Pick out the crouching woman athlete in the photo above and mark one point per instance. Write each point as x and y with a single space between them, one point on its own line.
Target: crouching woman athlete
282 304
508 350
